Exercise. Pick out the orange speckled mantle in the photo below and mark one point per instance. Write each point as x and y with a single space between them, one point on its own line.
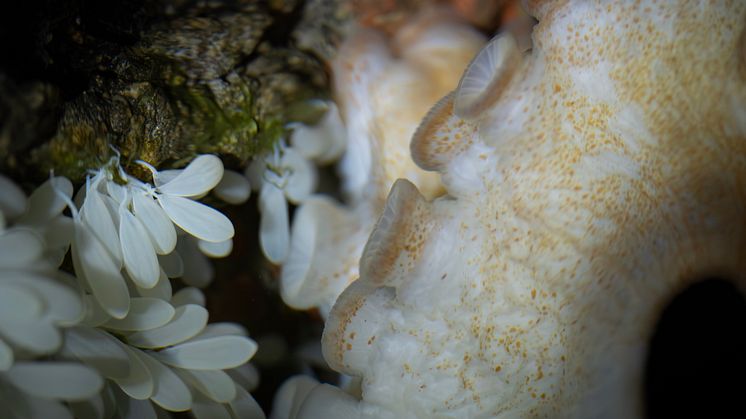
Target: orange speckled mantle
609 174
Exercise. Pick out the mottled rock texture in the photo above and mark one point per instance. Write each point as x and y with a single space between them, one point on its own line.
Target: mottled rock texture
160 81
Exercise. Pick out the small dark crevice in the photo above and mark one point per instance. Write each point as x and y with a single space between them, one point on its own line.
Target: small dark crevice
277 34
283 24
696 365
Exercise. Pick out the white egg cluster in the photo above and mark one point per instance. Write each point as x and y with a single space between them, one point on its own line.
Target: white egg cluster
113 340
289 173
124 225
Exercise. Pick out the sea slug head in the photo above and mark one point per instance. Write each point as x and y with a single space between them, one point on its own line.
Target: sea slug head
384 86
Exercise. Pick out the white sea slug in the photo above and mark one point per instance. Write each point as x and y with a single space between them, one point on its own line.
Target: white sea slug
588 181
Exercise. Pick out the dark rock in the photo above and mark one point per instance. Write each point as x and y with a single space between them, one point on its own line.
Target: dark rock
160 81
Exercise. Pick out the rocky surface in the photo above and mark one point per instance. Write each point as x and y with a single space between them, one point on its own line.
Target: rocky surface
159 81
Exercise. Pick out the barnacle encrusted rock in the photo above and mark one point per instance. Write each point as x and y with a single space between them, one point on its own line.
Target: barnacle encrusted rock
606 175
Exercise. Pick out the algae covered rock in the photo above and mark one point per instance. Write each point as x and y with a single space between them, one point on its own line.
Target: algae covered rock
159 81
